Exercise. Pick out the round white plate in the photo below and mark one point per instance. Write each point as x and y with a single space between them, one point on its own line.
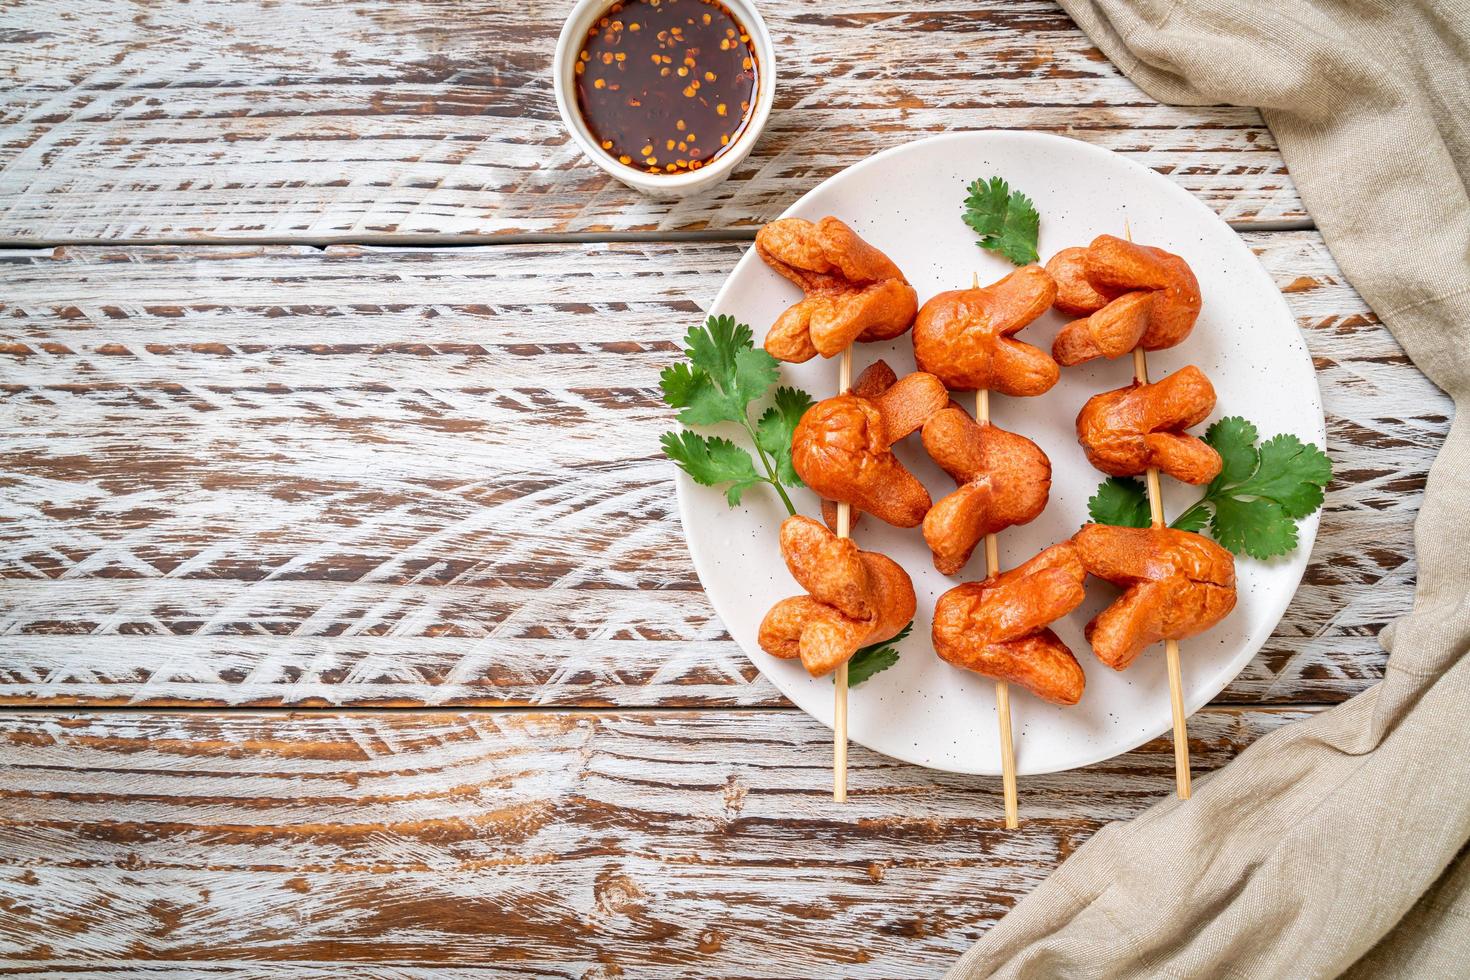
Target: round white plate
907 201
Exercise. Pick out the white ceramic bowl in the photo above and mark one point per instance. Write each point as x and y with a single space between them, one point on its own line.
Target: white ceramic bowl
583 14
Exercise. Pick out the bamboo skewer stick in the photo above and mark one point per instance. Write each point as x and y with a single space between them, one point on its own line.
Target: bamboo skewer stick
1171 647
839 704
1002 689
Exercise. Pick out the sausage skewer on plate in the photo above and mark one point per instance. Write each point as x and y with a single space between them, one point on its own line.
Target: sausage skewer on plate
1137 298
839 693
995 627
853 292
1171 645
842 450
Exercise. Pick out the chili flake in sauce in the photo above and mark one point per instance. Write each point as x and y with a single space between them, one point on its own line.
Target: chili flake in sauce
666 86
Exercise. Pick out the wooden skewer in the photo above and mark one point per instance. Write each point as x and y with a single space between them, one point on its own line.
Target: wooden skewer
1002 689
839 705
1171 647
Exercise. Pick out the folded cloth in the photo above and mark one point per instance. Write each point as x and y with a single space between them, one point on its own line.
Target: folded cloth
1336 845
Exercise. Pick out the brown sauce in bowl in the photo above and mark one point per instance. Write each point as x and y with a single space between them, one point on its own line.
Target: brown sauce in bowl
666 86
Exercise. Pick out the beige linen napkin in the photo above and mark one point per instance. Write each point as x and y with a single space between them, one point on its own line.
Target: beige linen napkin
1335 845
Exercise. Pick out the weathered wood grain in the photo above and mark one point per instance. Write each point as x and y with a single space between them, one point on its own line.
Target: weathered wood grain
373 120
566 844
252 476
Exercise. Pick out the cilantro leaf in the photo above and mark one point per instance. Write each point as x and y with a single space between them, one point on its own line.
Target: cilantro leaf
691 389
712 461
1005 220
1194 519
1120 501
867 662
773 431
1253 505
1235 440
680 383
1259 527
712 348
875 658
1292 473
755 371
724 374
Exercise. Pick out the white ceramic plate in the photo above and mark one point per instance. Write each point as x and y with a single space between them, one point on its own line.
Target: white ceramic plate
907 201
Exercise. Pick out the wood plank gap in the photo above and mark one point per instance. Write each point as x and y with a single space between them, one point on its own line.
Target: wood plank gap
713 235
396 709
510 709
401 241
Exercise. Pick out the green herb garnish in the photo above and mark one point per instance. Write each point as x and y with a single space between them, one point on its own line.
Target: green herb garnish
1005 220
1120 501
724 373
875 658
1253 505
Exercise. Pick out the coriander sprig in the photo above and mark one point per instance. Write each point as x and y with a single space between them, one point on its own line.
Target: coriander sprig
875 657
1253 505
724 373
1005 220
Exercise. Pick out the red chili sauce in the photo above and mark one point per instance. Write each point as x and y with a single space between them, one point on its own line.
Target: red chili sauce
666 86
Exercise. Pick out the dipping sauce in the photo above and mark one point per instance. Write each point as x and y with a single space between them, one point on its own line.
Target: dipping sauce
666 86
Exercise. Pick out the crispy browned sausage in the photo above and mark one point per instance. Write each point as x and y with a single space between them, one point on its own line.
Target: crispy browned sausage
854 598
853 291
1175 584
998 627
1127 430
965 336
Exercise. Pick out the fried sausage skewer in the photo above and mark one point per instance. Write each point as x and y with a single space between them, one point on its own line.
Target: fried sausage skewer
1002 479
1178 305
1171 646
843 447
1139 298
1176 584
843 450
1127 295
966 338
1141 426
854 598
839 703
1002 688
853 293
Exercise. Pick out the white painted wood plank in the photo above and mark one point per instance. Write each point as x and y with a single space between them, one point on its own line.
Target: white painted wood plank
566 844
287 476
210 119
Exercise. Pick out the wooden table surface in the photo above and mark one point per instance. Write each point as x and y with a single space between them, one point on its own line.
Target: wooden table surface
347 621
